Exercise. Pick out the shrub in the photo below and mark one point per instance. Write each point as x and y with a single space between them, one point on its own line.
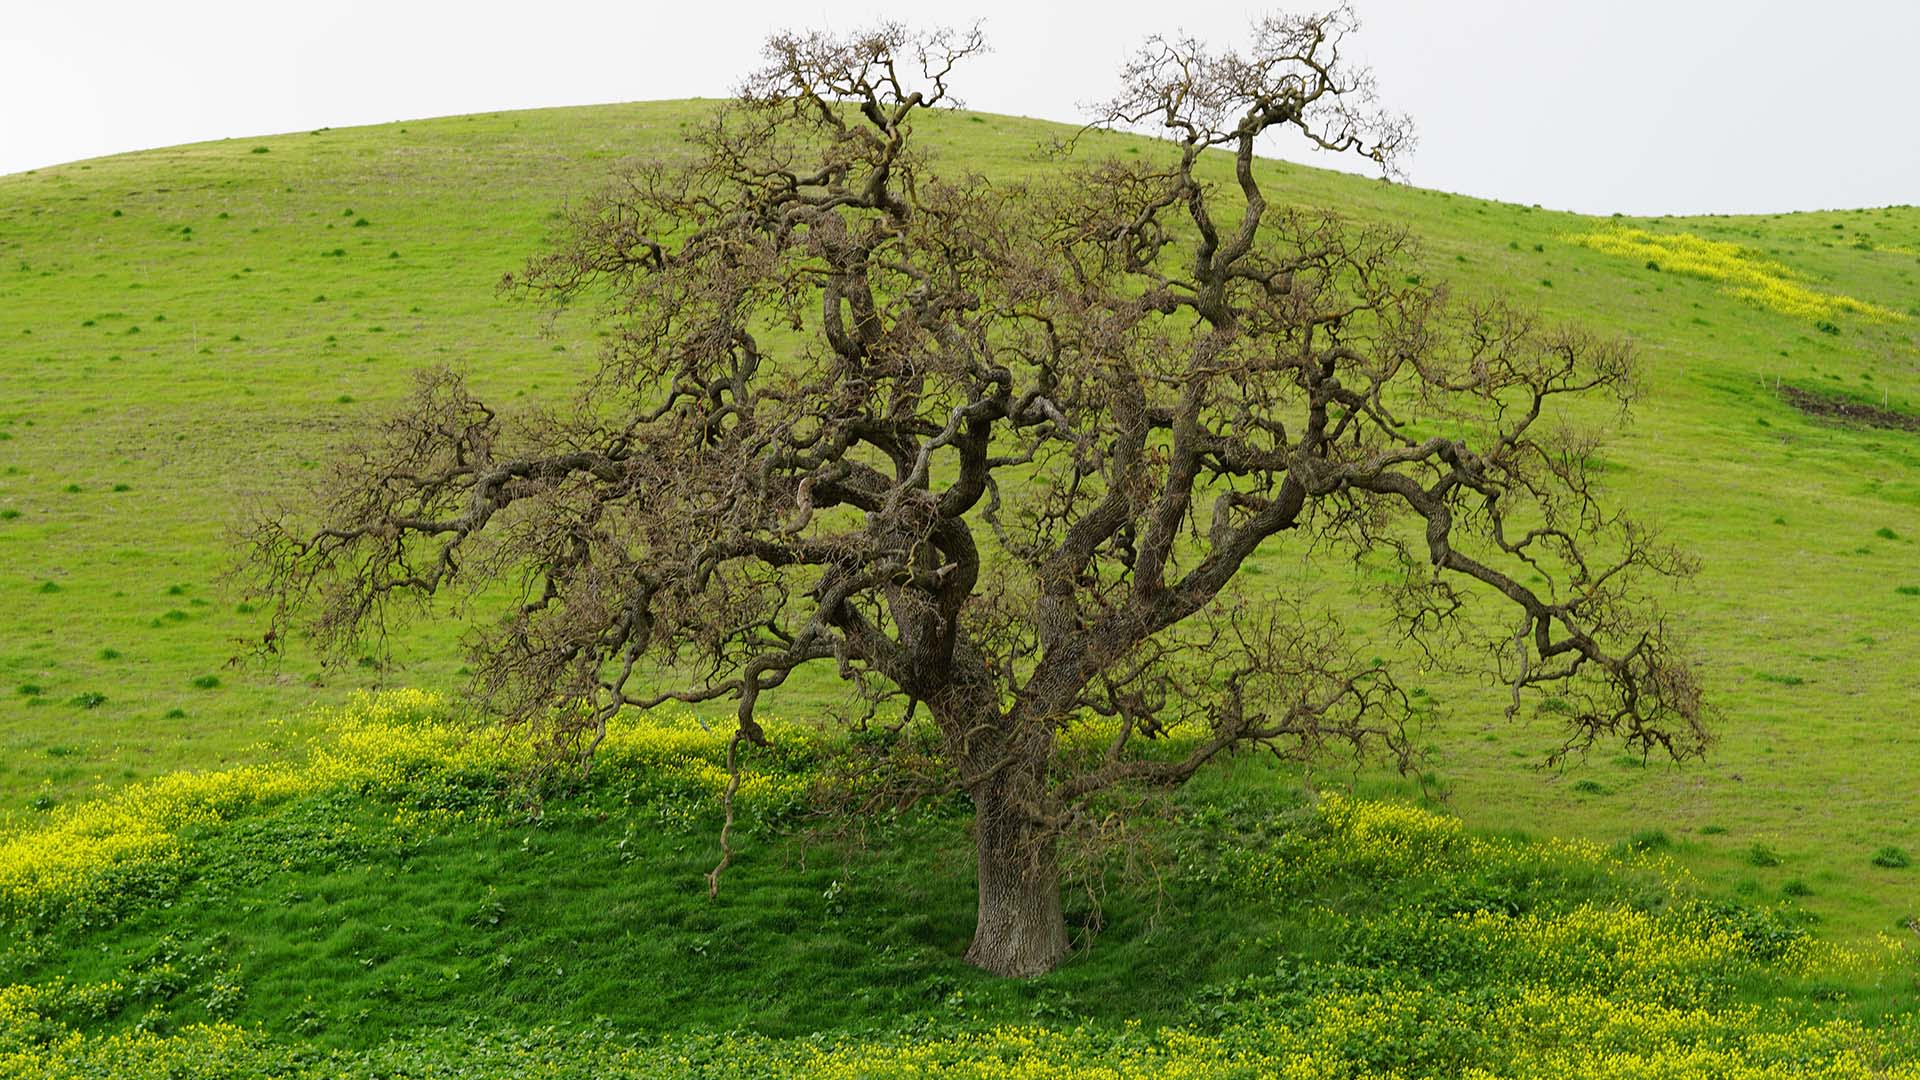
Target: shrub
206 682
1762 855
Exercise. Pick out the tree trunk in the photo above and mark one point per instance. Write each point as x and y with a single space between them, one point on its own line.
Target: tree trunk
1021 932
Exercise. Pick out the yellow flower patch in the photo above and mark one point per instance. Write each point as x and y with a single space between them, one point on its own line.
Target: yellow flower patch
1739 271
380 742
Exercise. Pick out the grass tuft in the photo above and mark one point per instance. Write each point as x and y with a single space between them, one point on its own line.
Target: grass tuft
1650 840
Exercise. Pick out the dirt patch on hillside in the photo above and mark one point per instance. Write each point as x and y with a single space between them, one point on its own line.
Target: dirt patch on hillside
1848 410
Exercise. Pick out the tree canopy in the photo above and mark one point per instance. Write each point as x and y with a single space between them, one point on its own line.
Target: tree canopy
999 450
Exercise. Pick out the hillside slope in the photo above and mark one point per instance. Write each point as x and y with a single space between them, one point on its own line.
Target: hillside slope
390 907
184 330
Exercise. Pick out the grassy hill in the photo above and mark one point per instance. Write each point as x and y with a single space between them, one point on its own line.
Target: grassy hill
389 906
185 330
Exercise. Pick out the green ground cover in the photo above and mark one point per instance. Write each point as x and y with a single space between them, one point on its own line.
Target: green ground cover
393 904
184 331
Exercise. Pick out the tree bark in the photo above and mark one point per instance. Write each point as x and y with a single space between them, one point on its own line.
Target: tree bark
1021 931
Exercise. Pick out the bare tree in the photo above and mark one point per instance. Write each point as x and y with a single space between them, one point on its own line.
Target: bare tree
999 451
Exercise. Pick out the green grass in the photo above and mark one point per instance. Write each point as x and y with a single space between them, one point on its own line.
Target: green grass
413 906
596 910
165 333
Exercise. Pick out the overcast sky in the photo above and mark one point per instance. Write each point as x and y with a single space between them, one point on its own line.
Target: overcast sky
1680 106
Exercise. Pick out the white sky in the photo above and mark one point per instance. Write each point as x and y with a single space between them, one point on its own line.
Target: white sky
1599 105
